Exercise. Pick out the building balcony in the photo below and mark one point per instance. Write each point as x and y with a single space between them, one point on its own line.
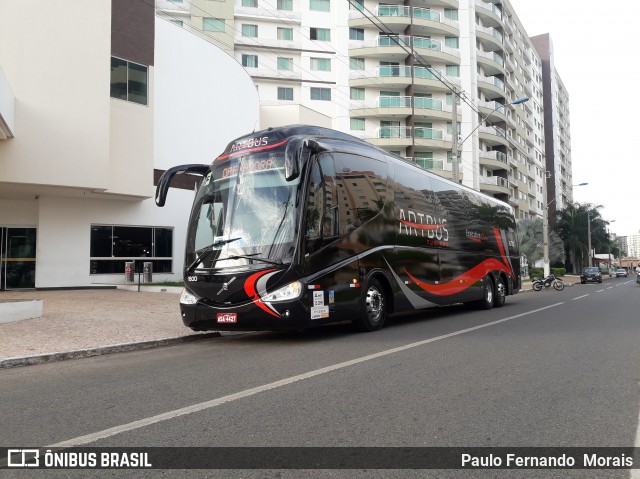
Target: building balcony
265 73
399 47
394 137
494 160
494 184
267 14
402 107
493 136
256 43
437 3
424 79
494 109
490 13
491 62
397 17
492 87
490 38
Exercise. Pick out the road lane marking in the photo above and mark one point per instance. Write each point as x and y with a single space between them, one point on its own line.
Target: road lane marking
88 438
600 291
580 297
610 287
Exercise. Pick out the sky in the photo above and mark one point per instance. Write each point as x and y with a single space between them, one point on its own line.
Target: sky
596 55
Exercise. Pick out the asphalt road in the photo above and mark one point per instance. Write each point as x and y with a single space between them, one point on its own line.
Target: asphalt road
547 369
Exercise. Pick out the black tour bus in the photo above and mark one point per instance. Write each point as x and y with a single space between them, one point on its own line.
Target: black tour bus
302 226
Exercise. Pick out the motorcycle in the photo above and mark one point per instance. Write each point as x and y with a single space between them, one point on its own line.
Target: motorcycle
638 278
550 280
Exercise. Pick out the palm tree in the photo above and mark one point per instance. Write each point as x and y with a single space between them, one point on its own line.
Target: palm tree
572 227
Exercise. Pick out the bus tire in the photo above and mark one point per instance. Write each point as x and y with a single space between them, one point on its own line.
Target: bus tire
501 293
487 294
373 308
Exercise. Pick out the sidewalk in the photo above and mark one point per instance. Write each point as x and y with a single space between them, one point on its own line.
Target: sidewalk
82 323
79 323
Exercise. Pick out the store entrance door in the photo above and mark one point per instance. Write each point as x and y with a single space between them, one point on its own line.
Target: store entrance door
17 258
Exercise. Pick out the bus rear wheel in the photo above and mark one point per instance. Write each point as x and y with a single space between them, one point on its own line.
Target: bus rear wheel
487 294
501 293
373 309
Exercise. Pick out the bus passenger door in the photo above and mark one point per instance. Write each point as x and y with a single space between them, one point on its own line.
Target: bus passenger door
323 242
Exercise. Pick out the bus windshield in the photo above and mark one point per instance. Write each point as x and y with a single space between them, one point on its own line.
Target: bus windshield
243 214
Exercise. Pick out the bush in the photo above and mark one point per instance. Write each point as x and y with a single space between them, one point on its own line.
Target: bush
558 271
536 272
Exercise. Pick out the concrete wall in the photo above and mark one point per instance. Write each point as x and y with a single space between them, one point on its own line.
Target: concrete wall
58 68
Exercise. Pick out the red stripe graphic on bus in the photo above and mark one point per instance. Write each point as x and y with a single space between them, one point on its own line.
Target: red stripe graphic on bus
462 282
250 289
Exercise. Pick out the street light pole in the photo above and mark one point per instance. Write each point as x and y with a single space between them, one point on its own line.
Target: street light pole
454 130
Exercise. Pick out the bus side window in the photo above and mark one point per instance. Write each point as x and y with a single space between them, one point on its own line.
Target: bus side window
321 213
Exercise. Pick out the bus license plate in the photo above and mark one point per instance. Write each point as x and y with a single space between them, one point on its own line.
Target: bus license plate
227 317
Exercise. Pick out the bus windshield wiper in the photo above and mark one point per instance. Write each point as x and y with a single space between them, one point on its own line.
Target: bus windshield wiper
203 252
251 257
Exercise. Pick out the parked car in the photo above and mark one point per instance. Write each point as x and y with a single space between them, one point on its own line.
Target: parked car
591 274
621 272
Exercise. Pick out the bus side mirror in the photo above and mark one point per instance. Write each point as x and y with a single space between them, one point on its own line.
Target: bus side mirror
292 158
165 180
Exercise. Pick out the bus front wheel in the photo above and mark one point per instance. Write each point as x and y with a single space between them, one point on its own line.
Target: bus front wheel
373 308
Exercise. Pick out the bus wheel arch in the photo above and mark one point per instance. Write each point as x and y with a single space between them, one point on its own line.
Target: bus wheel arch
374 305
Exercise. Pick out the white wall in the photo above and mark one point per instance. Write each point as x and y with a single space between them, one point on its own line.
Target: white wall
203 98
64 229
58 66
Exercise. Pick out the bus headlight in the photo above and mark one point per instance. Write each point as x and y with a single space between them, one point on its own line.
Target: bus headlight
187 298
286 293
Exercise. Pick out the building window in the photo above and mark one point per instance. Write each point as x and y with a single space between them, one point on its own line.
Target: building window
128 81
250 3
452 70
286 5
249 30
180 23
285 93
452 42
357 124
323 94
285 33
357 5
112 246
321 64
356 63
320 5
285 63
322 34
213 25
250 61
451 13
356 34
357 93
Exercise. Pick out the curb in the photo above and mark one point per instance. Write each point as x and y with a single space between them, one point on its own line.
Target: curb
116 348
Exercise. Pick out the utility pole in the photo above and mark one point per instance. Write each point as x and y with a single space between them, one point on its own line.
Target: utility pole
589 235
545 226
454 134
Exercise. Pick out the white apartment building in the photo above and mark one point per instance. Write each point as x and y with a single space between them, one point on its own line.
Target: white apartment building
386 71
633 245
88 118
